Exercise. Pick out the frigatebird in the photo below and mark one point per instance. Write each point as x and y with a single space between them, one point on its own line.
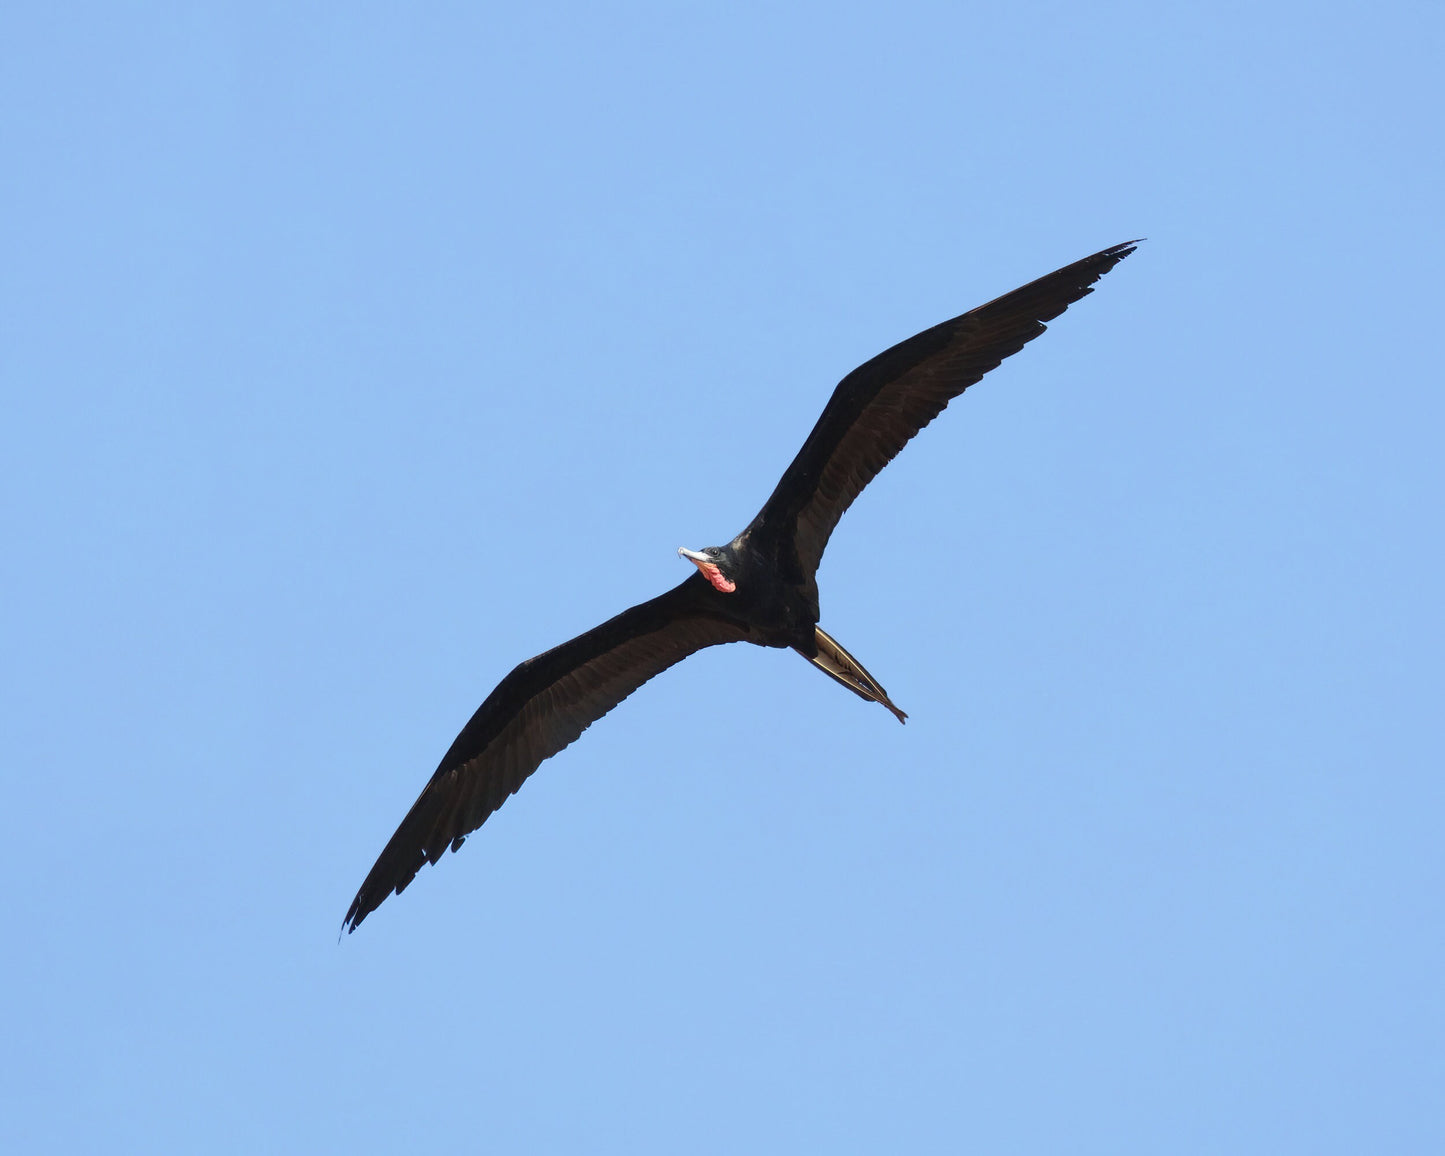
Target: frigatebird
761 587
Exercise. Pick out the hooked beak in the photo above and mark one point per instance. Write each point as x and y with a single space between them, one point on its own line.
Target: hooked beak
709 569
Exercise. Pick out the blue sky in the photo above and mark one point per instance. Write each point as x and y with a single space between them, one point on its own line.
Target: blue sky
353 353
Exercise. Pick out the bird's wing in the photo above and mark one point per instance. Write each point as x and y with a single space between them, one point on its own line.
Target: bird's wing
878 407
541 707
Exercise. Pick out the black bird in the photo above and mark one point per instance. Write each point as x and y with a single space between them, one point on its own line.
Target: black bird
759 588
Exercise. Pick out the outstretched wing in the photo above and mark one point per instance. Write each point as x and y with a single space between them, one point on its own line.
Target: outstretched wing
879 407
538 709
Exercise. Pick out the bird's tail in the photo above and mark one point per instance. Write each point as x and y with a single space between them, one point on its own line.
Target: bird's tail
842 667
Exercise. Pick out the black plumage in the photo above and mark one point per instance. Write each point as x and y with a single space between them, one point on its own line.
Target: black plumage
761 587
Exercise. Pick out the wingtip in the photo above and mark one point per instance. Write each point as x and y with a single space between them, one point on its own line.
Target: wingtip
353 918
1116 253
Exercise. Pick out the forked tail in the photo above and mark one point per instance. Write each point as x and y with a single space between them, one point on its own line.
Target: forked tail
842 667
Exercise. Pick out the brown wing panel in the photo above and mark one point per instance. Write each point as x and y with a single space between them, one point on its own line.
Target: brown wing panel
883 403
538 709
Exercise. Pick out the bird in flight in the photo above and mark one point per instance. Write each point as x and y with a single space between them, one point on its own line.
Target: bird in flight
761 587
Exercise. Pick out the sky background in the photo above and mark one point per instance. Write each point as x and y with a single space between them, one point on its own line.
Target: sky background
353 353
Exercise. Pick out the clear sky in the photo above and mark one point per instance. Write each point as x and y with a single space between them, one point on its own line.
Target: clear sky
352 353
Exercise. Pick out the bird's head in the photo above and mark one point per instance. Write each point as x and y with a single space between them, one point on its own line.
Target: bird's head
718 564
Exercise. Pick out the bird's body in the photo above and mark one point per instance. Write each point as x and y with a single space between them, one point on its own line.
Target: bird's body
761 587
